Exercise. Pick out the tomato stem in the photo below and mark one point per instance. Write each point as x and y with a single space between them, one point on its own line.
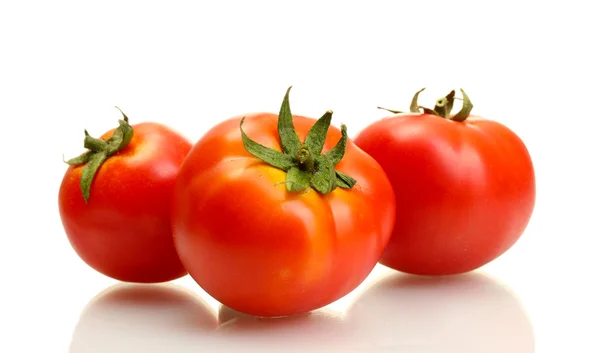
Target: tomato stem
303 163
443 106
440 107
305 159
99 151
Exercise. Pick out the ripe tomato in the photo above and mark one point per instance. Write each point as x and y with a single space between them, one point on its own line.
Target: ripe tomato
464 187
272 227
119 224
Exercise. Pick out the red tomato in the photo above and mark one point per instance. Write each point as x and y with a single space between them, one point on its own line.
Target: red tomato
464 187
265 242
123 230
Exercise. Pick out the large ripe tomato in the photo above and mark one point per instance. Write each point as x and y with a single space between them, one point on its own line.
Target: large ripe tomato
267 226
114 202
464 187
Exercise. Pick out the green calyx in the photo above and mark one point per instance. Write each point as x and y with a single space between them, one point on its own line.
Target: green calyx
99 151
443 106
303 162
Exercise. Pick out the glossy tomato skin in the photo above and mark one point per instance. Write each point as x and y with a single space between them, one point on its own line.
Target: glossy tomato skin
465 191
124 230
263 251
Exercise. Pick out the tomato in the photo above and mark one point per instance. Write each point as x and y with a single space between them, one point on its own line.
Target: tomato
269 226
464 187
114 202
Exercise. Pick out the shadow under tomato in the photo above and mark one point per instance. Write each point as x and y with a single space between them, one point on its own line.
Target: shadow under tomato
456 314
146 318
307 332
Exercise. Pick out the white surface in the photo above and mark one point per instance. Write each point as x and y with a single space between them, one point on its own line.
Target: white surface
532 66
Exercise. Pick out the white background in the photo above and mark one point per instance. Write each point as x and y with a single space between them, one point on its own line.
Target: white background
531 65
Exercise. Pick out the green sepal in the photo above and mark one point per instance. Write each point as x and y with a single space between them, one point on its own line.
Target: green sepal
99 151
391 110
315 139
414 104
303 163
449 102
94 144
324 180
465 110
428 110
290 142
89 171
443 106
121 137
337 152
273 157
297 179
81 159
344 181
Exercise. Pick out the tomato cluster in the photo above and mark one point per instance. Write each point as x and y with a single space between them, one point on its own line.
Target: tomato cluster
279 214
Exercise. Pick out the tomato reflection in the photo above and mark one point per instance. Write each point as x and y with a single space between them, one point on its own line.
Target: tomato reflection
142 318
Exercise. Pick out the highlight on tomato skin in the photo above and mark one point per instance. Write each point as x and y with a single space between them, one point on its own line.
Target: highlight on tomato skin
464 186
280 214
114 202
